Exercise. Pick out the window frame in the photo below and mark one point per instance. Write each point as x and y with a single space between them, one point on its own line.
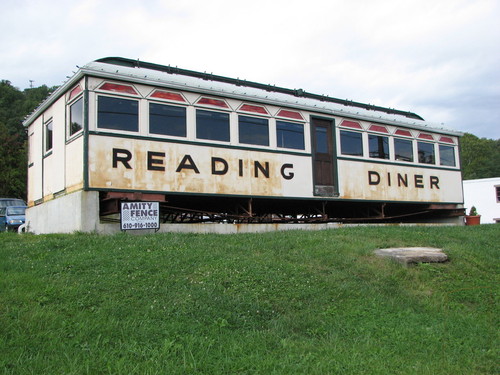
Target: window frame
167 104
46 148
386 143
70 104
410 141
240 116
301 124
360 133
210 110
433 152
454 155
125 98
31 149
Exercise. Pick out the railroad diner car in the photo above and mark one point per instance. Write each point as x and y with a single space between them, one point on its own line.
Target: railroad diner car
217 149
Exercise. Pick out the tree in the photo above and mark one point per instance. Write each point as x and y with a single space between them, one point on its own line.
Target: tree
480 157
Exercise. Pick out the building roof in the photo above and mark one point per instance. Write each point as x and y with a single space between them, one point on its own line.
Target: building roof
119 68
493 180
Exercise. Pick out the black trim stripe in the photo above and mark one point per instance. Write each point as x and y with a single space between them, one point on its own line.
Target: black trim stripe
419 166
318 198
194 143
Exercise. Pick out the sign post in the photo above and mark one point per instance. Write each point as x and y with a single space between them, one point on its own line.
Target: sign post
140 215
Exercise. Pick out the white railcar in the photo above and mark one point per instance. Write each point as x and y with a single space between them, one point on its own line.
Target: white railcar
213 148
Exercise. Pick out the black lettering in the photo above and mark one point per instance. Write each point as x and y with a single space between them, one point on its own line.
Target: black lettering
419 181
187 163
288 176
240 165
403 180
371 180
216 161
152 161
259 167
122 159
434 182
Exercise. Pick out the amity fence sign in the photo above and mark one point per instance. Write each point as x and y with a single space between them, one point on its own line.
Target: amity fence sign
140 215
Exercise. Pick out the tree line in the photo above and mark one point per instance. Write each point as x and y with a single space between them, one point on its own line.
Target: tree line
480 156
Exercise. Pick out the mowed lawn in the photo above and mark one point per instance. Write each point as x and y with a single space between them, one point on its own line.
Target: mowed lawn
295 302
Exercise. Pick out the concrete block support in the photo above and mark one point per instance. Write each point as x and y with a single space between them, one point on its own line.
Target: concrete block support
78 211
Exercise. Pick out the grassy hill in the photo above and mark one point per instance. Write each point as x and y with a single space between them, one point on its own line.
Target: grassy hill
274 303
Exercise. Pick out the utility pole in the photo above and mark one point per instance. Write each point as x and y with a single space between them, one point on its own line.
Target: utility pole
31 83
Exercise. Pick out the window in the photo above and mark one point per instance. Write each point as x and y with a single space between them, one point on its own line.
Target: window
447 155
117 113
48 136
378 146
212 125
497 190
167 120
290 135
351 143
321 140
31 150
403 149
253 130
76 117
426 153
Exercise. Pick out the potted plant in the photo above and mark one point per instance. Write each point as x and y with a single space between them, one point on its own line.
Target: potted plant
472 218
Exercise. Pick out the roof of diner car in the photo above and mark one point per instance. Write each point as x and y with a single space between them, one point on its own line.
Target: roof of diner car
173 77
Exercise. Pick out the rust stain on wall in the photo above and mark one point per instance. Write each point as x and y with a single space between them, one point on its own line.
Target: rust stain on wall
158 166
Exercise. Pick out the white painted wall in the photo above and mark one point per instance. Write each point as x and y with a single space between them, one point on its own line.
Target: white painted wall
78 211
482 194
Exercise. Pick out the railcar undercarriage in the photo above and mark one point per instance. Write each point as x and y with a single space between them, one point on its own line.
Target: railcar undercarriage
213 209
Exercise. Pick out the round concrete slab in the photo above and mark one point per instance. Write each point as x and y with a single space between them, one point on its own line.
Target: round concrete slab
407 255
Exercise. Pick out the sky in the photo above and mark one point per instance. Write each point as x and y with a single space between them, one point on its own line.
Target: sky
437 58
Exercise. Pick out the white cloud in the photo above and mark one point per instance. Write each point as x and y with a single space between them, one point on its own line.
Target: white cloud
437 58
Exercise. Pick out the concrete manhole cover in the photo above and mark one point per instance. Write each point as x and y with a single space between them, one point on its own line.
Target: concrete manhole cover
408 255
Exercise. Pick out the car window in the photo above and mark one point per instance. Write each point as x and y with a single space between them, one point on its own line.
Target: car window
11 202
15 211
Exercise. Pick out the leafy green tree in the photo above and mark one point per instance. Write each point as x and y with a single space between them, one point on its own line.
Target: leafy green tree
480 157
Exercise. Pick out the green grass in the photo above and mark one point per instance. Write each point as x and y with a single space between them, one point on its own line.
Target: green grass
275 303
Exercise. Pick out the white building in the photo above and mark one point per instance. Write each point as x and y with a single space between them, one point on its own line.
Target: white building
484 194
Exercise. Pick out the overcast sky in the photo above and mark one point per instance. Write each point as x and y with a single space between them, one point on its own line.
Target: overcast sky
437 58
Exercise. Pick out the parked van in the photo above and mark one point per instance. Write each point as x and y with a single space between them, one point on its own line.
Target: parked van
13 217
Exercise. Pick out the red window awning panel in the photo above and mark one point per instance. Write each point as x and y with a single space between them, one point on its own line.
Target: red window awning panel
115 87
290 114
215 102
253 108
426 136
351 124
167 95
446 140
75 92
379 128
405 133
